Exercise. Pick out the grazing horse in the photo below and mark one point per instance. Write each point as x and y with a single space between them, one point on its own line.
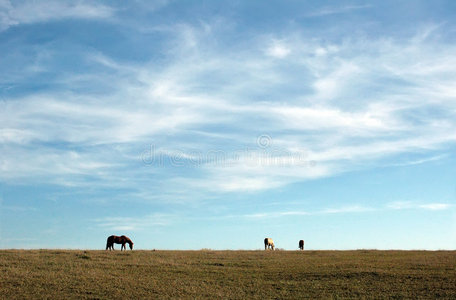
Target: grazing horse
301 244
268 243
114 239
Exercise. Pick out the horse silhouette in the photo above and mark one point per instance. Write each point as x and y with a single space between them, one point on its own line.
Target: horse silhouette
114 239
301 244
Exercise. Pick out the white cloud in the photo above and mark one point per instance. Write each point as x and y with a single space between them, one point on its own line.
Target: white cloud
321 118
325 211
422 161
135 223
278 50
330 85
342 106
332 10
27 12
347 209
275 214
399 205
435 206
17 208
47 163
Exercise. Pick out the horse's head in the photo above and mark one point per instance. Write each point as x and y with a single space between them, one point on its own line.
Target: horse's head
131 246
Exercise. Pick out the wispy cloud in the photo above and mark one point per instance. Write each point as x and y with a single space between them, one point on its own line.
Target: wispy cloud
347 209
332 10
325 211
17 208
135 223
276 214
422 161
278 49
435 206
27 12
359 101
399 205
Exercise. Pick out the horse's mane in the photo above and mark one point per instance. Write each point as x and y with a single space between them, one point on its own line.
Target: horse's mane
127 239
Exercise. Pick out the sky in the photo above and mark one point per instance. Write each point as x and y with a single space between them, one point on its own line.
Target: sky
215 124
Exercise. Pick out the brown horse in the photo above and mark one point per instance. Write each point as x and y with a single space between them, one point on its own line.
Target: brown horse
114 239
301 244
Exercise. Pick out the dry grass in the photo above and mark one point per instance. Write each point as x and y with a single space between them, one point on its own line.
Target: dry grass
227 274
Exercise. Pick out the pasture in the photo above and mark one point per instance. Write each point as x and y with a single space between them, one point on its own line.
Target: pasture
227 274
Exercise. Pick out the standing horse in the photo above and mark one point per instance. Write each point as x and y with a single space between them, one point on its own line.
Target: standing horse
268 243
301 244
114 239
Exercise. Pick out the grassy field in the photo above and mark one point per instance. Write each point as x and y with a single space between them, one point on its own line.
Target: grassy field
227 274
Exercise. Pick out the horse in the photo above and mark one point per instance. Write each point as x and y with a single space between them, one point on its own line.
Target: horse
301 244
114 239
268 243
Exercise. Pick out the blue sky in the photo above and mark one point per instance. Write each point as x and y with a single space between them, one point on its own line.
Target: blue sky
209 124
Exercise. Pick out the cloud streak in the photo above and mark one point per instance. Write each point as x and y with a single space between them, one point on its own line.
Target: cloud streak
334 10
360 101
350 209
134 223
400 205
28 12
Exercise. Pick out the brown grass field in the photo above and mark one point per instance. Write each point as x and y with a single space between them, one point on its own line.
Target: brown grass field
70 274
